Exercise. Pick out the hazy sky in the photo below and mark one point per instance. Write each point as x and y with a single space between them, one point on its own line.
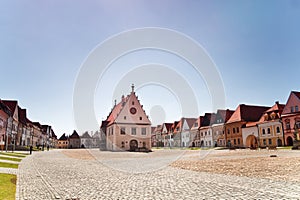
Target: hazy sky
254 44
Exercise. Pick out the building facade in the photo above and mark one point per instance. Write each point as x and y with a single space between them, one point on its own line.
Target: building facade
241 116
127 126
291 120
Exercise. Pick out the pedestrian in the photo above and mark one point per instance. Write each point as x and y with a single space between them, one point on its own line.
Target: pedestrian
47 147
30 149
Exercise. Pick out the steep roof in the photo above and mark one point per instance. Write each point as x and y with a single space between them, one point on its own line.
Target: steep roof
208 119
63 137
74 135
22 115
174 125
248 113
86 135
11 104
199 121
296 93
5 108
223 116
168 126
122 108
190 122
277 107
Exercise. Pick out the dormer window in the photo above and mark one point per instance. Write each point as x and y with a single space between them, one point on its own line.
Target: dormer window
266 117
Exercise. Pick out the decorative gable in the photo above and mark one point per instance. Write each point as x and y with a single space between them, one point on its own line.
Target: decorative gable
132 111
293 104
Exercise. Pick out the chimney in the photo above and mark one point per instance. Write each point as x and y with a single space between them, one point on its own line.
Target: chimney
277 102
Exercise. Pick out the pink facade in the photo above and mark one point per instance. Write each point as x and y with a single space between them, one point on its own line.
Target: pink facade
291 119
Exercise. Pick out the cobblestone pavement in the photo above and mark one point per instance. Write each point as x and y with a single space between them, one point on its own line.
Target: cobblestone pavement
53 175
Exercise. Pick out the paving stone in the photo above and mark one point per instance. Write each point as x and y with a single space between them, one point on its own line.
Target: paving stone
53 175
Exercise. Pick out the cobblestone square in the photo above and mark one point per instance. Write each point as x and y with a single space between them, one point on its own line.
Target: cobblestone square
162 174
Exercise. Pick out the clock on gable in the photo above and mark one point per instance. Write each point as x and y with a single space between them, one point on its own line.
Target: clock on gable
132 110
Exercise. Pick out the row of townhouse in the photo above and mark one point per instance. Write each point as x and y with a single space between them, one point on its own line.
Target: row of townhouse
75 141
17 131
248 126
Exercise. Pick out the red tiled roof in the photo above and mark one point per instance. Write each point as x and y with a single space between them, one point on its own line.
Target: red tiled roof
22 115
250 124
173 127
247 113
168 126
296 93
114 113
11 104
5 108
190 121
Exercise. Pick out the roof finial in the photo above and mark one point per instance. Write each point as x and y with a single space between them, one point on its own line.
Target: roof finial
132 87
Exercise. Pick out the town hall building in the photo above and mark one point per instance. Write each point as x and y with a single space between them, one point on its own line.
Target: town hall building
127 127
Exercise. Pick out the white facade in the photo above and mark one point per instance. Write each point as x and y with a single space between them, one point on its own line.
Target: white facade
206 136
185 134
248 133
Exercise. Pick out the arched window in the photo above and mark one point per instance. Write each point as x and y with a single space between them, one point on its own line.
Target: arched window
269 130
263 131
277 129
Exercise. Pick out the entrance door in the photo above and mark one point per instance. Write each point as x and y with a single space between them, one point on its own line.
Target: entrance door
279 142
133 145
289 141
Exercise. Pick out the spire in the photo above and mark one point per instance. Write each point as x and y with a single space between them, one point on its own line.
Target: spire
132 87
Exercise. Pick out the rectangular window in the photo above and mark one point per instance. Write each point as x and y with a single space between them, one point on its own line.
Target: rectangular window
288 126
196 124
123 131
141 118
270 141
237 129
264 142
233 130
124 117
133 131
234 141
292 109
296 109
228 131
239 142
144 131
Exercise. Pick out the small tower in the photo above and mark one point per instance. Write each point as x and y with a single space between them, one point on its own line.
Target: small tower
132 87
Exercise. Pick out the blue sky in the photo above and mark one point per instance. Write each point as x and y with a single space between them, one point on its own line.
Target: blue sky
255 45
